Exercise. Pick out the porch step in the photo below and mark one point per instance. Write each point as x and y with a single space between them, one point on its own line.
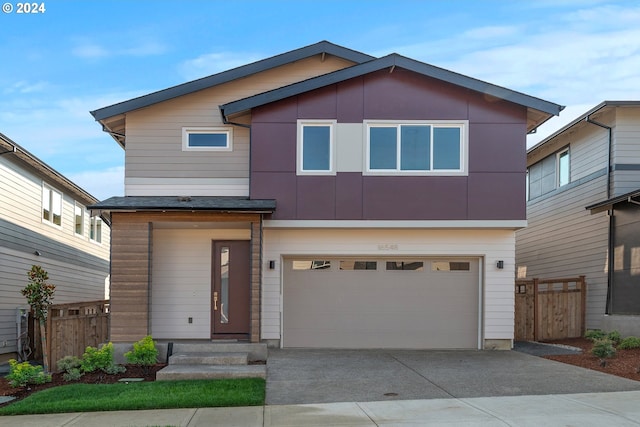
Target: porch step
256 351
206 358
208 372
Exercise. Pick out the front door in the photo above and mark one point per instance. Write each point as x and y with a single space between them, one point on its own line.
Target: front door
230 289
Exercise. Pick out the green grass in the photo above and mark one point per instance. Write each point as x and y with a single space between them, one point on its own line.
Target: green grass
134 396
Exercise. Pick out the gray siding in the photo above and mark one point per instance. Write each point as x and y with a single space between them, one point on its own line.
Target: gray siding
563 239
78 267
626 151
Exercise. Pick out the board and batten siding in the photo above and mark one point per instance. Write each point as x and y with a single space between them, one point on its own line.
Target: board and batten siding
181 284
78 267
497 296
626 151
155 162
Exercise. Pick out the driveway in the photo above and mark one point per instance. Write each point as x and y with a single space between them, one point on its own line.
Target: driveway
296 376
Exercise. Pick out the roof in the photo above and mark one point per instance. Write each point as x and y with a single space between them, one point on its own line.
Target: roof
323 47
51 175
582 118
195 203
391 61
608 204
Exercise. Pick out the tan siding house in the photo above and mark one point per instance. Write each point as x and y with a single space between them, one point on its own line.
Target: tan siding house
44 221
564 238
231 228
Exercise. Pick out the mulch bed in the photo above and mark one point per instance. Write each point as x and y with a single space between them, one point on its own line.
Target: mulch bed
625 363
133 371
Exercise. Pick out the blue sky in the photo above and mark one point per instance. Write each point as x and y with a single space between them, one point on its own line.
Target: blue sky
78 56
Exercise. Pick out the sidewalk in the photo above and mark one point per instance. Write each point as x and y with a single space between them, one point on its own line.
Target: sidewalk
590 409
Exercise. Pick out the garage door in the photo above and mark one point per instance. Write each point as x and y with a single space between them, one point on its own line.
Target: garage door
381 303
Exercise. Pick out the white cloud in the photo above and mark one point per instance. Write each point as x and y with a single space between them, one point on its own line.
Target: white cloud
211 63
24 87
88 49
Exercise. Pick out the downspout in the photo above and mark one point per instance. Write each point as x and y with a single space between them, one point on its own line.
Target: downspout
609 213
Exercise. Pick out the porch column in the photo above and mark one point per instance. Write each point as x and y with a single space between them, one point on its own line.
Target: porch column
256 273
130 254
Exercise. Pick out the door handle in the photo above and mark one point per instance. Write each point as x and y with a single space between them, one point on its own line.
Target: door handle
215 301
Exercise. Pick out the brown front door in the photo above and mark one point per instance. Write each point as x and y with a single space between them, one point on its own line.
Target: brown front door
230 289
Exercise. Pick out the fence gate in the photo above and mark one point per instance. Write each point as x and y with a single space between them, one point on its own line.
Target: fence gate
548 309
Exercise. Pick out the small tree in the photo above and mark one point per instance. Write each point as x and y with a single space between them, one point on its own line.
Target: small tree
39 294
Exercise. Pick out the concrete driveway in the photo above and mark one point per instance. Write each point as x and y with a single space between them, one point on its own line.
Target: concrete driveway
296 376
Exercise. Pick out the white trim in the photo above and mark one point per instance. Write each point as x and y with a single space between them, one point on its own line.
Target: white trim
226 130
51 190
300 147
495 224
463 125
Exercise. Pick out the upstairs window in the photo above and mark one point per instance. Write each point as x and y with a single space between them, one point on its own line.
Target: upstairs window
416 148
552 172
95 234
315 148
207 139
79 219
51 205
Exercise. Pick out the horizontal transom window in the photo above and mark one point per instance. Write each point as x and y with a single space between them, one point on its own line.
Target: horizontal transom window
207 139
416 148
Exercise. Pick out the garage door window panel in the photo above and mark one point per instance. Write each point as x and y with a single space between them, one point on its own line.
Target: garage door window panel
311 265
405 265
358 265
450 266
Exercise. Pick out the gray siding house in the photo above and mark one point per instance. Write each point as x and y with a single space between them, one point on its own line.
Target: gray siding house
44 221
582 190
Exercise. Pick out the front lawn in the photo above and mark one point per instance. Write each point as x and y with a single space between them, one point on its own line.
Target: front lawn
142 395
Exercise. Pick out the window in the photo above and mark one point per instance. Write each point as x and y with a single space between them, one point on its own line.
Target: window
311 265
405 265
79 219
95 234
416 148
315 148
450 266
51 205
358 265
548 174
207 139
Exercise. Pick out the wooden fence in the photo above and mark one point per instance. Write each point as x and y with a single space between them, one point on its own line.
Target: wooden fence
71 328
548 309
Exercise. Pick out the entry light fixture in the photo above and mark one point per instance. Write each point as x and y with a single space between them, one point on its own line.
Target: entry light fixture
272 265
500 264
37 253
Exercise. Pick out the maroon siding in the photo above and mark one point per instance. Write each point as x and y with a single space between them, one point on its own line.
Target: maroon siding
493 190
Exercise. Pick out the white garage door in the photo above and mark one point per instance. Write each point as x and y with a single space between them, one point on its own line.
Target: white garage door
381 303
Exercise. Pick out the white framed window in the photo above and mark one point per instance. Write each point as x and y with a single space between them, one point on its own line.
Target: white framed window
207 138
51 205
416 148
315 147
95 232
78 228
550 173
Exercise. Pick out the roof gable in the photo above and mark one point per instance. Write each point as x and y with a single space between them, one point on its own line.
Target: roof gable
323 47
391 61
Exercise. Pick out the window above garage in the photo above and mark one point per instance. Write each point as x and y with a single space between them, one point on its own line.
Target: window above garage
416 148
315 148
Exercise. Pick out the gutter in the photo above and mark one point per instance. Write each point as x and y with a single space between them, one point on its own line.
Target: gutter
14 149
611 248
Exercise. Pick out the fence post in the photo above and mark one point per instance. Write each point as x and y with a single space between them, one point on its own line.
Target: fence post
535 309
583 304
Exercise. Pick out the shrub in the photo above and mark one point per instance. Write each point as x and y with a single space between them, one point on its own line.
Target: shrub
603 348
144 352
71 365
615 337
21 374
629 343
594 334
102 359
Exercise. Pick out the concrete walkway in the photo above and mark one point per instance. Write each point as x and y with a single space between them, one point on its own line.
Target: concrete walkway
590 409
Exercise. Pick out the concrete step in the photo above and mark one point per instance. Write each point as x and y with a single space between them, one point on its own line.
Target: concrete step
201 358
208 372
257 351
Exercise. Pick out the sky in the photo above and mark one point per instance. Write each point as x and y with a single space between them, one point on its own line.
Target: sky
77 56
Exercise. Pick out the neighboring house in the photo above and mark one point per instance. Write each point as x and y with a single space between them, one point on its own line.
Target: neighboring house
321 198
583 187
44 221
